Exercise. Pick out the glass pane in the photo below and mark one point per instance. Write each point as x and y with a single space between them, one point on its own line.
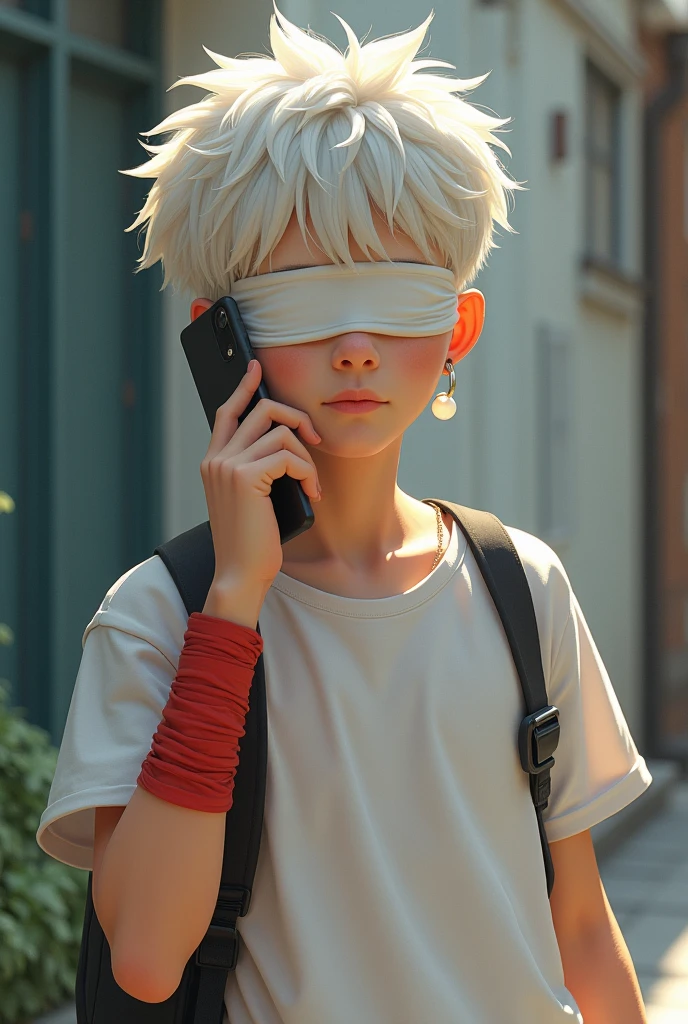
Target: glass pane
10 410
601 119
40 7
601 212
89 408
103 20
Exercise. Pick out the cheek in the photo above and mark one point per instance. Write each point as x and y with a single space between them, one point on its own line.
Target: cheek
422 359
287 372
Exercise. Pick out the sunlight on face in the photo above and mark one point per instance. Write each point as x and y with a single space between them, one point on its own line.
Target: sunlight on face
403 371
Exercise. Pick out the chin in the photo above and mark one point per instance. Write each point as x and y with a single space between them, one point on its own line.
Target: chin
353 447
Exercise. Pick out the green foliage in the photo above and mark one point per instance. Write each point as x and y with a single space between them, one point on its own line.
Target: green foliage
41 900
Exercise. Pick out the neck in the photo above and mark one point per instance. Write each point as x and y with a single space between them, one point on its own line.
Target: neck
363 515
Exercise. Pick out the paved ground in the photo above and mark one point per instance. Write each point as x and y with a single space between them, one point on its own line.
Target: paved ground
647 884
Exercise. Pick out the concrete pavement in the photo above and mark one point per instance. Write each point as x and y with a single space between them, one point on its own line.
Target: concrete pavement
646 881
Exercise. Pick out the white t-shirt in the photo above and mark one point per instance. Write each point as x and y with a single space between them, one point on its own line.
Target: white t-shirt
400 876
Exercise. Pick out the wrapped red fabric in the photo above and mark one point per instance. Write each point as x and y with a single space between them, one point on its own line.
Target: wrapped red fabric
195 751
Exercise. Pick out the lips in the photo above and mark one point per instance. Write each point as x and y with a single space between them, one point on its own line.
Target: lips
360 406
355 396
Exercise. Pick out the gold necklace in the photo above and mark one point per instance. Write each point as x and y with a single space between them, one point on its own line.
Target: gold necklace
440 536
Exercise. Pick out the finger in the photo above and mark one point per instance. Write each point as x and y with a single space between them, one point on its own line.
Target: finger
274 441
261 474
266 412
227 415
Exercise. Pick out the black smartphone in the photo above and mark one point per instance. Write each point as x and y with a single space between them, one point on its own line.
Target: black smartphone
218 350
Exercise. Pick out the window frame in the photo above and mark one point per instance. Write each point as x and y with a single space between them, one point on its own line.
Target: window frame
596 81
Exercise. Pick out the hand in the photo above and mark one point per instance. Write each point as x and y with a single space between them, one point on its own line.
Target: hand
238 470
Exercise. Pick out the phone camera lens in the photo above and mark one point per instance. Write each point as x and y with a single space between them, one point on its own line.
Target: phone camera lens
221 319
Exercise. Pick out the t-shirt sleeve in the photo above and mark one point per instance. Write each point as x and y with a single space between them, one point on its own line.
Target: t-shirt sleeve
597 769
130 653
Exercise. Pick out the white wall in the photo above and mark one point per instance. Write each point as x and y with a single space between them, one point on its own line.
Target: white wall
487 455
537 53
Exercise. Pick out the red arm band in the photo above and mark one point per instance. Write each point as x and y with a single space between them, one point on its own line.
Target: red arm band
195 751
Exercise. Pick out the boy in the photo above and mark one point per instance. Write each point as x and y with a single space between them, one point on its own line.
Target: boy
346 203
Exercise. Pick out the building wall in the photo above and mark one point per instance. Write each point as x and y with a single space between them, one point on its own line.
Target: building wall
488 455
599 316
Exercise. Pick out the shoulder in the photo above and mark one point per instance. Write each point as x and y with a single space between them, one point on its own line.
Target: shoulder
542 564
145 603
130 655
550 588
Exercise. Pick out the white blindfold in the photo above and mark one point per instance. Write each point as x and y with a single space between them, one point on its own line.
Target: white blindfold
291 307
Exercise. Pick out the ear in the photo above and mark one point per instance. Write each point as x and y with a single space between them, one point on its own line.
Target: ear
467 330
199 306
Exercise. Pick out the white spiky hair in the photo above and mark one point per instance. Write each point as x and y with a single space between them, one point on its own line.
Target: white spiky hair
272 135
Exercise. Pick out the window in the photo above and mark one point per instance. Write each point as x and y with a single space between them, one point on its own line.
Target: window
79 331
554 434
602 164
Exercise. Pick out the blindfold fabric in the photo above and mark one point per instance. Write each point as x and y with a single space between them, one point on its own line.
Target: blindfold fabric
291 307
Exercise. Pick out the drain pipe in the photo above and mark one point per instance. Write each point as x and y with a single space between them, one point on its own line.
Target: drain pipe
655 117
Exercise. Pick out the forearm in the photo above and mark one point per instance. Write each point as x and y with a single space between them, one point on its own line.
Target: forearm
171 835
157 891
599 973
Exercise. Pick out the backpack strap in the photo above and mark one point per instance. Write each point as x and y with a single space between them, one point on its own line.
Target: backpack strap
505 577
190 560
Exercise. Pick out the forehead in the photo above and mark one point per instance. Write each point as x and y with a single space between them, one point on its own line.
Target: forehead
292 252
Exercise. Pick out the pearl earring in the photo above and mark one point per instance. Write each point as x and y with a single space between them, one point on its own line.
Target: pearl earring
444 406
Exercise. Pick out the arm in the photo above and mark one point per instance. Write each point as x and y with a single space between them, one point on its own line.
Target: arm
598 970
155 890
156 885
157 868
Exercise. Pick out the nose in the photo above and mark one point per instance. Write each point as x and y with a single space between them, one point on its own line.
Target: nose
355 350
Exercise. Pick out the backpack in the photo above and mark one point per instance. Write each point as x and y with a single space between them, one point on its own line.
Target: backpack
199 998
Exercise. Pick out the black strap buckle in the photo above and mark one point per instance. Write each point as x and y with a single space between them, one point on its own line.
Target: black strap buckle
220 945
232 901
538 738
219 948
